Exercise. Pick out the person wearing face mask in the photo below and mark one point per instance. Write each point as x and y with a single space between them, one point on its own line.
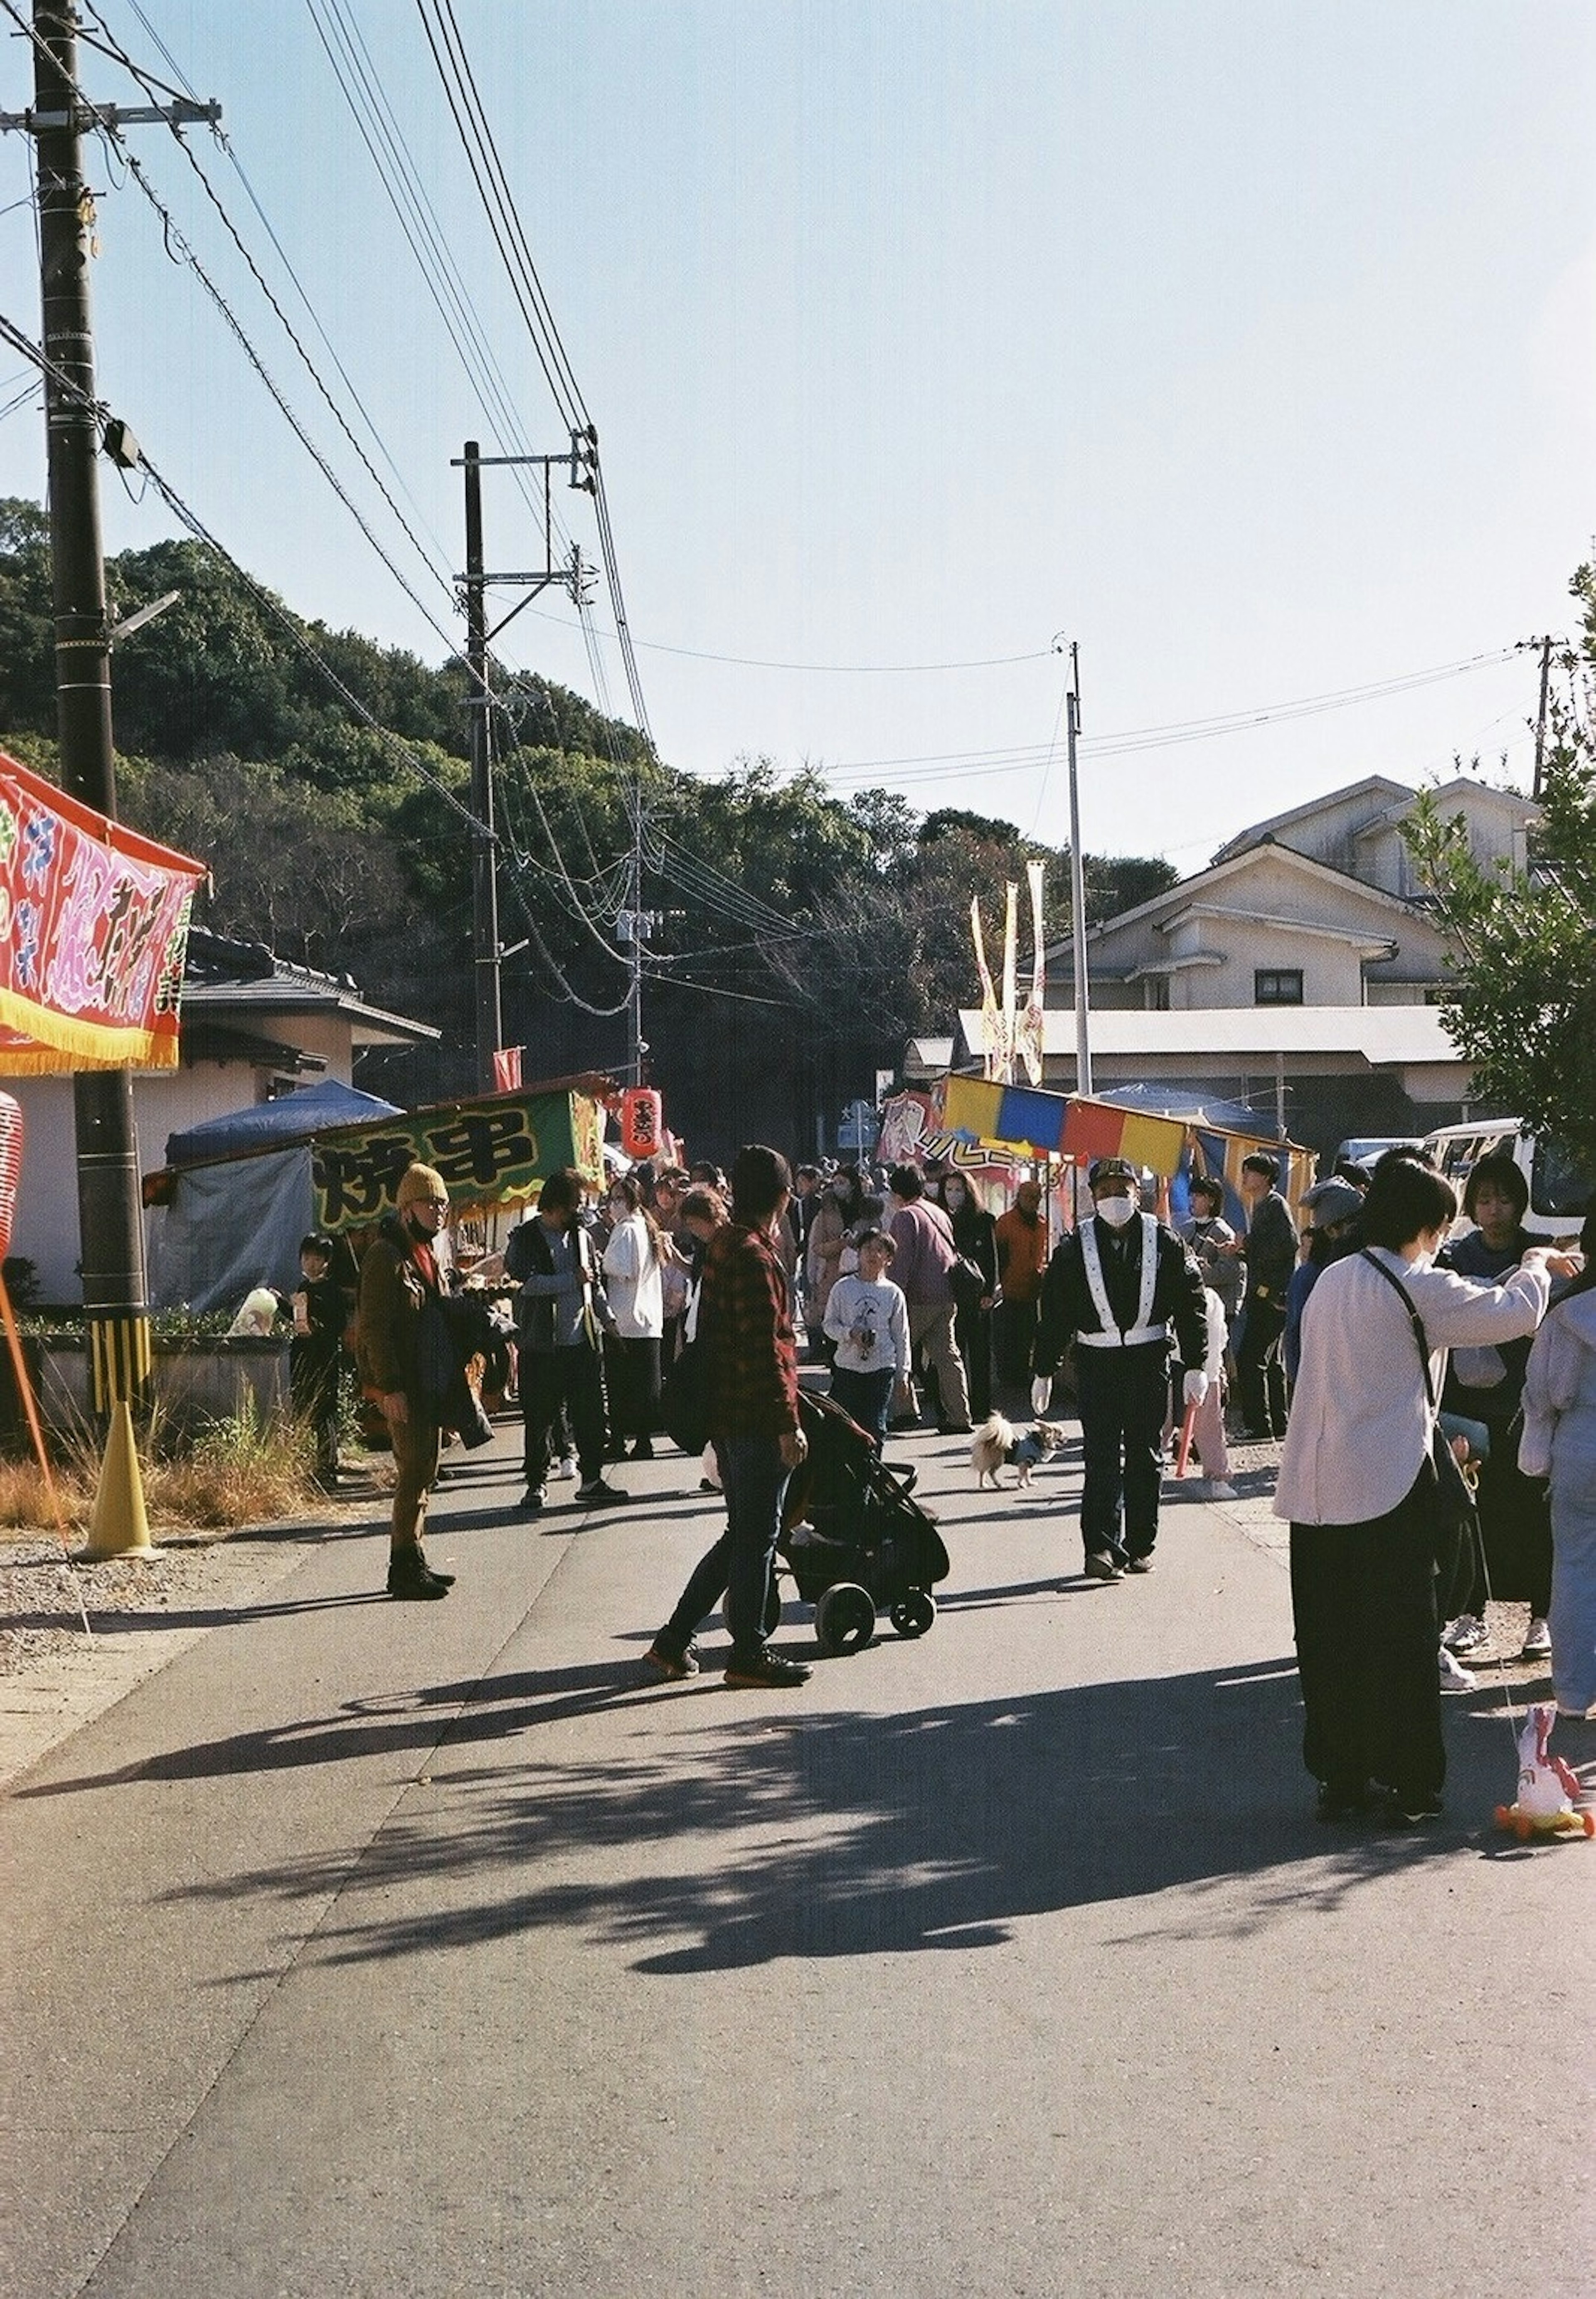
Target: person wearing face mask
1359 1492
1488 1385
974 1234
1115 1285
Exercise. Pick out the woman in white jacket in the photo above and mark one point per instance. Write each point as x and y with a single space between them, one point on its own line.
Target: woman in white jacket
634 1280
1559 1441
1357 1485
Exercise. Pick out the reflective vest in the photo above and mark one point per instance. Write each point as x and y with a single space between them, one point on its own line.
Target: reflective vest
1112 1337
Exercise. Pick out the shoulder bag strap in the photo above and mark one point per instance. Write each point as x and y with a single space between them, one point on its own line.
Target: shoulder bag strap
1414 1319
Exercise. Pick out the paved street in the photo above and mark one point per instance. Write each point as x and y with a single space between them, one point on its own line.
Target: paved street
386 1949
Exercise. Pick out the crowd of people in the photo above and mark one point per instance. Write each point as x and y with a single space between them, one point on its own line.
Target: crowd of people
1377 1331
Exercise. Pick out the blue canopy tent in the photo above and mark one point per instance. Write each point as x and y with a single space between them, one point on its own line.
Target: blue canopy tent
239 1197
272 1124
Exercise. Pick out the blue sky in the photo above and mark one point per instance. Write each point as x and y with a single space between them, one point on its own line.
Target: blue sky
1249 345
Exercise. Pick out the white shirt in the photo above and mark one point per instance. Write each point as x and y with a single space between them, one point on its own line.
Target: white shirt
1359 1424
636 1286
879 1314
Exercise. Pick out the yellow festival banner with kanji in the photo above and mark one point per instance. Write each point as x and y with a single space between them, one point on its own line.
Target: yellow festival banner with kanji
496 1151
94 926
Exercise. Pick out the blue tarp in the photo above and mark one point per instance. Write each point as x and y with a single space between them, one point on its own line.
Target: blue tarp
273 1125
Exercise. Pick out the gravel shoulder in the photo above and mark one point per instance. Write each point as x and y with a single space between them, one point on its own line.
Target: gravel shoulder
55 1678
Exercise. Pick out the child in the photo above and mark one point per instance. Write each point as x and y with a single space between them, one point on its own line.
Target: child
315 1353
867 1318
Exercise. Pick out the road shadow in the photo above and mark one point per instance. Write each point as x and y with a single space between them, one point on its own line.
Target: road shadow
708 1838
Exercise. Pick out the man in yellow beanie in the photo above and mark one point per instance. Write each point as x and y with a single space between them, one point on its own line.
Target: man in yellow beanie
400 1279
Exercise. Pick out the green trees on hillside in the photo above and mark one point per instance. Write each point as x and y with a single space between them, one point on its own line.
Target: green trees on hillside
797 939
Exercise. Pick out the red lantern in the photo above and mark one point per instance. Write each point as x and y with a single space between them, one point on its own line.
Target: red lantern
10 1166
642 1121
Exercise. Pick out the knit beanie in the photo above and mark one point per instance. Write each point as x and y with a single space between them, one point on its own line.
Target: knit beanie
419 1181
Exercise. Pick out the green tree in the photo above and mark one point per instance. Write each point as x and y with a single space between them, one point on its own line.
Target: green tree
1521 995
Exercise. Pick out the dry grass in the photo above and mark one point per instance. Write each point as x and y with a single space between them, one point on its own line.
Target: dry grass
243 1470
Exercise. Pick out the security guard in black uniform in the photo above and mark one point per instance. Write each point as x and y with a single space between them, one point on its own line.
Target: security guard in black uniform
1116 1283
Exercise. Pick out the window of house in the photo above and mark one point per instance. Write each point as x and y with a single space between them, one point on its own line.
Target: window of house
1277 986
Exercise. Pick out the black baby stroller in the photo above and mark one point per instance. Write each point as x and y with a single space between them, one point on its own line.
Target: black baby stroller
855 1537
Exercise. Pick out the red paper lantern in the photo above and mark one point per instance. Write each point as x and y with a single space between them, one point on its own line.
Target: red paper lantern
10 1166
642 1121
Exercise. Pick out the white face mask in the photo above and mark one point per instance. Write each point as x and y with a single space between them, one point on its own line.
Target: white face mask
1116 1211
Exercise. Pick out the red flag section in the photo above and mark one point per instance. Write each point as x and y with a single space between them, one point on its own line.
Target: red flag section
94 925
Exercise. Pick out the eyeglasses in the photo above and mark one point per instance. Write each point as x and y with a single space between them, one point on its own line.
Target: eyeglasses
437 1205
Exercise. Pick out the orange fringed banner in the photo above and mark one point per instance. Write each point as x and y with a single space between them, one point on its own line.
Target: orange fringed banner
94 926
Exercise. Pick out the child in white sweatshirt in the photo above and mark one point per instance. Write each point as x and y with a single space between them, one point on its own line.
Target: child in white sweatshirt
867 1318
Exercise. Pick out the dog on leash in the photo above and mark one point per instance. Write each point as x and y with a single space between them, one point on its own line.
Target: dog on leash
997 1443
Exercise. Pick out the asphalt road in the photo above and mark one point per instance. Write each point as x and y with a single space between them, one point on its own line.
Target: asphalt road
385 1949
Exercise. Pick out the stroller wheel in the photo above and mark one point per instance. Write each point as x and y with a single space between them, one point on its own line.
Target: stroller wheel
914 1612
844 1618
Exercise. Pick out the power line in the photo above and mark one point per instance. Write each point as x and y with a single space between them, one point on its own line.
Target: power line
937 766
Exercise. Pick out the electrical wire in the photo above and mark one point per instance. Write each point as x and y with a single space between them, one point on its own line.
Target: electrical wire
463 97
237 167
938 765
179 248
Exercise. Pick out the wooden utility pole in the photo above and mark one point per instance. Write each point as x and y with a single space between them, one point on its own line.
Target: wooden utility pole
486 954
109 1213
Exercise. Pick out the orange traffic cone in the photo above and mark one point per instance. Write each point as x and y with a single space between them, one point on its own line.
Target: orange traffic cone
119 1526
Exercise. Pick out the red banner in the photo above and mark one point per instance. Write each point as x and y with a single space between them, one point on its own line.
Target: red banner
94 925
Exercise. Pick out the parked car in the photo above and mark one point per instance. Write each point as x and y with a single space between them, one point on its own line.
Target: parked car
1363 1149
1559 1192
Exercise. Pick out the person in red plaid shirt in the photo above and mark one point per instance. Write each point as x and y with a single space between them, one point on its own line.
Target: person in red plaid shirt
745 1330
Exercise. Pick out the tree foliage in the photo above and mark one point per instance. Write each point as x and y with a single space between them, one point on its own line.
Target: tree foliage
1521 999
796 940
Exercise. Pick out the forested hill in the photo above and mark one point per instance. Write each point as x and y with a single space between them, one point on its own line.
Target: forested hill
799 940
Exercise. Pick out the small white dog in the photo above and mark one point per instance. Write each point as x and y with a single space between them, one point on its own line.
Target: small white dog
997 1442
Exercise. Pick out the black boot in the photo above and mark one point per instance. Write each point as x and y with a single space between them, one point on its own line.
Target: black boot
408 1577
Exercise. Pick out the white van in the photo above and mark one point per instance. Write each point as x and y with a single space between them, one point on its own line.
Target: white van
1558 1193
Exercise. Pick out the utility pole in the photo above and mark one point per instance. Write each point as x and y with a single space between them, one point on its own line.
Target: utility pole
1540 716
486 954
110 1212
485 876
1078 883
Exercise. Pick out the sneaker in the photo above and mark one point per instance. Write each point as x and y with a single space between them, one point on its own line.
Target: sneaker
1401 1813
1141 1564
767 1669
666 1661
1219 1490
1342 1804
707 1485
533 1500
567 1466
1537 1644
1100 1566
409 1579
1466 1634
595 1490
447 1578
1454 1676
642 1450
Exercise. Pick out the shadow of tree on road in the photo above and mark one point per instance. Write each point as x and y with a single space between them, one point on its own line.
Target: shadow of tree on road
718 1840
